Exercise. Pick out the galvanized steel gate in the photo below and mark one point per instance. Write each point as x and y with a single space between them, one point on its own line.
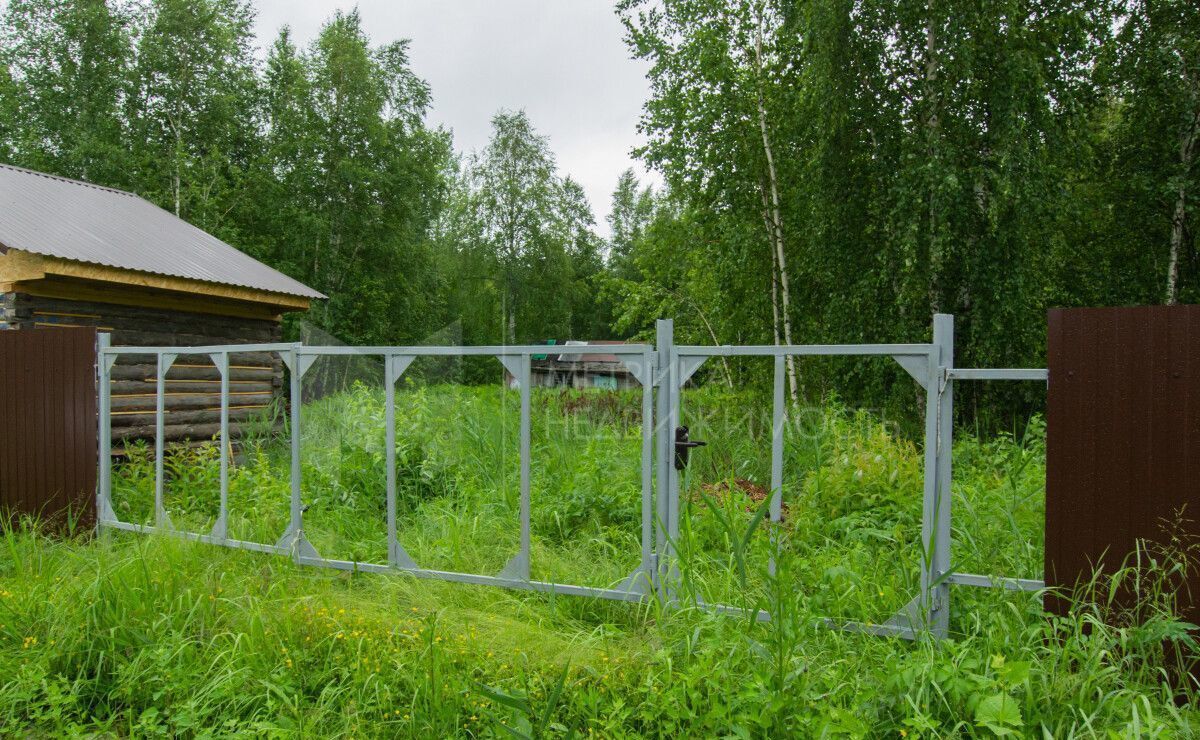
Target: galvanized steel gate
662 370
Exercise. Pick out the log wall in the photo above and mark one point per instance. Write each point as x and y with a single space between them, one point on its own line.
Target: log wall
193 385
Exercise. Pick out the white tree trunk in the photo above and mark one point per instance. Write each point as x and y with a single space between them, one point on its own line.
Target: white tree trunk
176 187
932 125
774 276
775 219
1187 151
713 334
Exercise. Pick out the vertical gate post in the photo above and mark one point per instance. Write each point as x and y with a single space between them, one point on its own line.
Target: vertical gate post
297 390
104 510
389 451
163 364
935 514
526 452
663 437
943 336
647 578
221 529
393 367
778 423
293 538
673 421
520 367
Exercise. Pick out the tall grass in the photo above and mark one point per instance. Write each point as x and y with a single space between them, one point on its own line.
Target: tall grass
155 636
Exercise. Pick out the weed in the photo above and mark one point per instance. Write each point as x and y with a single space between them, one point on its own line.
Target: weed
155 636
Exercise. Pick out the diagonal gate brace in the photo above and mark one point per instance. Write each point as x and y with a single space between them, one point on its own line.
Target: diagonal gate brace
688 365
915 365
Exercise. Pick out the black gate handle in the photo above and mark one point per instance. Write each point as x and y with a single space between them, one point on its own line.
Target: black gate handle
683 445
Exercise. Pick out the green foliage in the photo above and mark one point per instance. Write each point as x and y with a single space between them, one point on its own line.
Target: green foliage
128 634
517 237
68 67
318 162
836 171
988 160
191 107
350 182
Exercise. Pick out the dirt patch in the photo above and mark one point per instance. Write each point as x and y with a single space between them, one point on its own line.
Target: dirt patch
755 492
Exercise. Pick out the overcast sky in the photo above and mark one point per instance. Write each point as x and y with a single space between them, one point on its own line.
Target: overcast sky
563 61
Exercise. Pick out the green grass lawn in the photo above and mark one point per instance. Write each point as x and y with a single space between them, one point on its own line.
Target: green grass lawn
155 636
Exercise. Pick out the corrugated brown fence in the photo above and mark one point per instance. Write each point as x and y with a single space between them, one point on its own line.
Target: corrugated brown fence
1123 434
48 423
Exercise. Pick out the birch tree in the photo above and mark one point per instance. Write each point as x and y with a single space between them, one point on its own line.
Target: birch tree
716 68
1156 73
65 82
521 234
192 110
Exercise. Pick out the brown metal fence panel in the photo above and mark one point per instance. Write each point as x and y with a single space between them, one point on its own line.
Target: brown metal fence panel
1122 436
48 456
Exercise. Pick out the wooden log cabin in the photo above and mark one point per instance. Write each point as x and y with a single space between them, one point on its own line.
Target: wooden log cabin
77 254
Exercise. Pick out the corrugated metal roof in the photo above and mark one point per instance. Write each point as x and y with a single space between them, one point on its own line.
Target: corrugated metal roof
75 220
590 356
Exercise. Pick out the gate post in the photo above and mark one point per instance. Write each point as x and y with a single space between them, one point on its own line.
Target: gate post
104 364
663 437
945 340
935 514
293 539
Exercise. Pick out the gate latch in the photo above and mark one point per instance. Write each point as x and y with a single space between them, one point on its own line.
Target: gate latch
683 444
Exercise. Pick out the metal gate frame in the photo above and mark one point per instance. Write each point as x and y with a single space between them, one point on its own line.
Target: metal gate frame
932 367
293 542
662 370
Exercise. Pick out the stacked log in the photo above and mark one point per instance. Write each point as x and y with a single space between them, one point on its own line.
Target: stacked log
192 397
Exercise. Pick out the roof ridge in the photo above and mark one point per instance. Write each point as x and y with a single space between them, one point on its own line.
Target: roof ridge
72 181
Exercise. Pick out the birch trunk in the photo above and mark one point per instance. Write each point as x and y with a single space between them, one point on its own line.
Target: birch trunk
177 175
713 334
776 221
1187 151
932 125
774 299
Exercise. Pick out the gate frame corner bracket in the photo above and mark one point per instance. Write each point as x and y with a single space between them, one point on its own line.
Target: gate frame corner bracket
917 366
397 364
221 360
910 616
297 363
514 364
516 569
688 365
104 511
642 369
398 557
638 582
297 545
